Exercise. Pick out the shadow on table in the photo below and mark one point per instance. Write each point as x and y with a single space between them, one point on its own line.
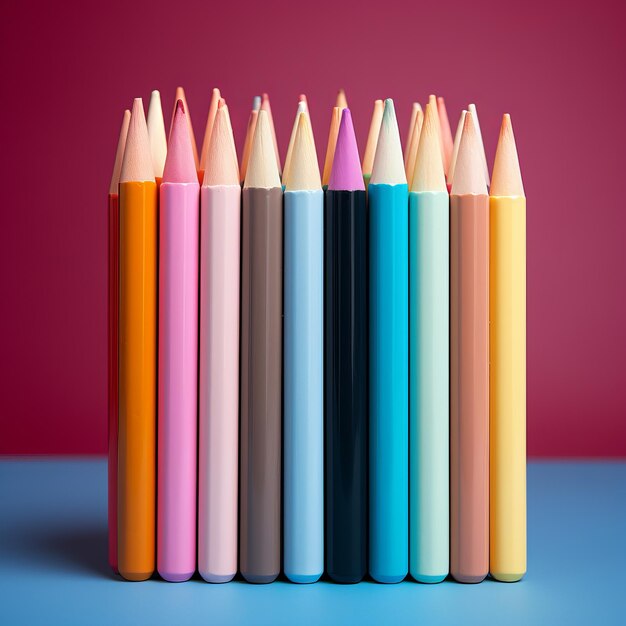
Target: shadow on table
79 549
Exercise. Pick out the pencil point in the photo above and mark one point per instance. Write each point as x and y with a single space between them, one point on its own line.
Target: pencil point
341 100
346 171
301 109
446 134
265 106
469 177
415 107
180 95
179 165
372 137
428 174
221 165
455 147
156 133
472 109
137 162
388 167
262 168
333 131
213 104
507 176
414 144
303 172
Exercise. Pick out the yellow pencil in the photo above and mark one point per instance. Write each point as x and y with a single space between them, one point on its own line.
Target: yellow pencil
507 384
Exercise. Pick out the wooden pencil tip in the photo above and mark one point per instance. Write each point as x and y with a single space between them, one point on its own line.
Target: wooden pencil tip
119 153
303 173
262 167
507 175
388 166
428 174
137 162
180 165
221 166
156 133
468 173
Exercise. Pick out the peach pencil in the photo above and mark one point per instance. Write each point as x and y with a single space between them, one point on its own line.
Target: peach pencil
413 146
219 355
178 357
445 133
469 362
455 150
472 109
265 106
335 118
302 108
215 98
247 145
113 301
137 354
407 141
507 308
156 133
261 360
341 100
372 140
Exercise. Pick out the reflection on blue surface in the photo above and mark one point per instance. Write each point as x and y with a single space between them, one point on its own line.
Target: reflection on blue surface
53 563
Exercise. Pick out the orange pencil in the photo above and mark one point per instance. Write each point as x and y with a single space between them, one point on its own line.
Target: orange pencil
335 119
247 145
114 243
265 106
137 354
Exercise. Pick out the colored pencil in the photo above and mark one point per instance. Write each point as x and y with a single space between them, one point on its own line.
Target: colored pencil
304 362
180 95
335 119
455 150
261 360
469 362
113 302
341 100
413 146
178 357
345 361
137 354
220 222
429 360
507 290
432 99
407 141
265 106
215 98
301 109
247 145
388 195
445 133
156 133
472 109
372 140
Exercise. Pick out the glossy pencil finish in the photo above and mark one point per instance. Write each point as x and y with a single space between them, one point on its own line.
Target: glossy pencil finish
507 308
112 319
303 374
345 364
389 357
137 355
218 467
429 362
178 358
261 363
469 364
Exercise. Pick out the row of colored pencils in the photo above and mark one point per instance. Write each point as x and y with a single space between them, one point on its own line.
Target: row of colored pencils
324 373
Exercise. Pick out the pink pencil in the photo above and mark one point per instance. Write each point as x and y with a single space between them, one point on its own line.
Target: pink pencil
219 356
178 356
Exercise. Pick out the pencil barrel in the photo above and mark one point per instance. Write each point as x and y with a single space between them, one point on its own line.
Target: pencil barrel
429 267
137 380
469 387
112 319
177 380
507 388
345 384
261 383
219 382
304 386
388 382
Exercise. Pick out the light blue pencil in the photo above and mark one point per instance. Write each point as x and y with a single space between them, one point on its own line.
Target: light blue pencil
429 217
389 356
303 358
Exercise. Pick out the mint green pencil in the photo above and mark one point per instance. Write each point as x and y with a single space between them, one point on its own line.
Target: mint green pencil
429 246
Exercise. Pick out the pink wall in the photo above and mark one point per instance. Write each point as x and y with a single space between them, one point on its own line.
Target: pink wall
68 73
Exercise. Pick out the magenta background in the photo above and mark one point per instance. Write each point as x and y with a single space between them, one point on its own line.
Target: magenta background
69 69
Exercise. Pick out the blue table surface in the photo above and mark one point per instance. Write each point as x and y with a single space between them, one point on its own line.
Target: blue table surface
53 563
